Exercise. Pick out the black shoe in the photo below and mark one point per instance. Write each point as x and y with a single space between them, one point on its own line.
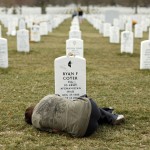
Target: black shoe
109 109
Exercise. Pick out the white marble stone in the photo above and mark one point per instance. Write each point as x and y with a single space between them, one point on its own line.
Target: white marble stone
3 53
114 34
138 31
74 27
0 31
70 76
145 55
127 42
75 34
128 26
23 40
43 28
35 33
22 24
106 29
74 46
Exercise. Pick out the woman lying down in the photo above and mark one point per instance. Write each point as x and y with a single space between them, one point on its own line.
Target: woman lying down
80 117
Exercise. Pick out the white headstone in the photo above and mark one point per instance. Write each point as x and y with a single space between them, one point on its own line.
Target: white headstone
22 23
149 33
106 29
11 29
3 53
50 28
138 32
74 27
23 41
29 23
127 42
43 28
35 33
122 22
0 31
74 46
70 76
101 28
114 34
128 26
75 34
116 22
144 26
145 55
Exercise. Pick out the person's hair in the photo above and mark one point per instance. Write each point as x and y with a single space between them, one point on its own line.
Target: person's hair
28 114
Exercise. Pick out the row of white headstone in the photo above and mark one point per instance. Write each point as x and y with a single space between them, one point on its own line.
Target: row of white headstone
37 10
70 70
23 39
127 36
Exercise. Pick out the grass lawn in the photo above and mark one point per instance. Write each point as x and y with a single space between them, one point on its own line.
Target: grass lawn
113 79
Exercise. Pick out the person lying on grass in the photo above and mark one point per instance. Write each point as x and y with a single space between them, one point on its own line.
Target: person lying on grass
79 117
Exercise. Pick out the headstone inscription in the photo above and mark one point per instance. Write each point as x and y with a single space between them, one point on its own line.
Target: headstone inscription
23 40
127 42
145 55
70 79
74 46
3 53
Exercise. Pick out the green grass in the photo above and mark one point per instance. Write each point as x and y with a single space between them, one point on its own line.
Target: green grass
113 79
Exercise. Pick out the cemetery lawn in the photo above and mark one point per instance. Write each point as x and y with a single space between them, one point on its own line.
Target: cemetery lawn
113 79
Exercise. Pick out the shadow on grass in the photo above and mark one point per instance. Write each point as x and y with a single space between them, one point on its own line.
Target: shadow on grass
5 70
144 71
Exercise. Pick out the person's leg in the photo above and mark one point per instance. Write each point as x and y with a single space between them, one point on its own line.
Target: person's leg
109 117
108 109
93 122
105 115
99 116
